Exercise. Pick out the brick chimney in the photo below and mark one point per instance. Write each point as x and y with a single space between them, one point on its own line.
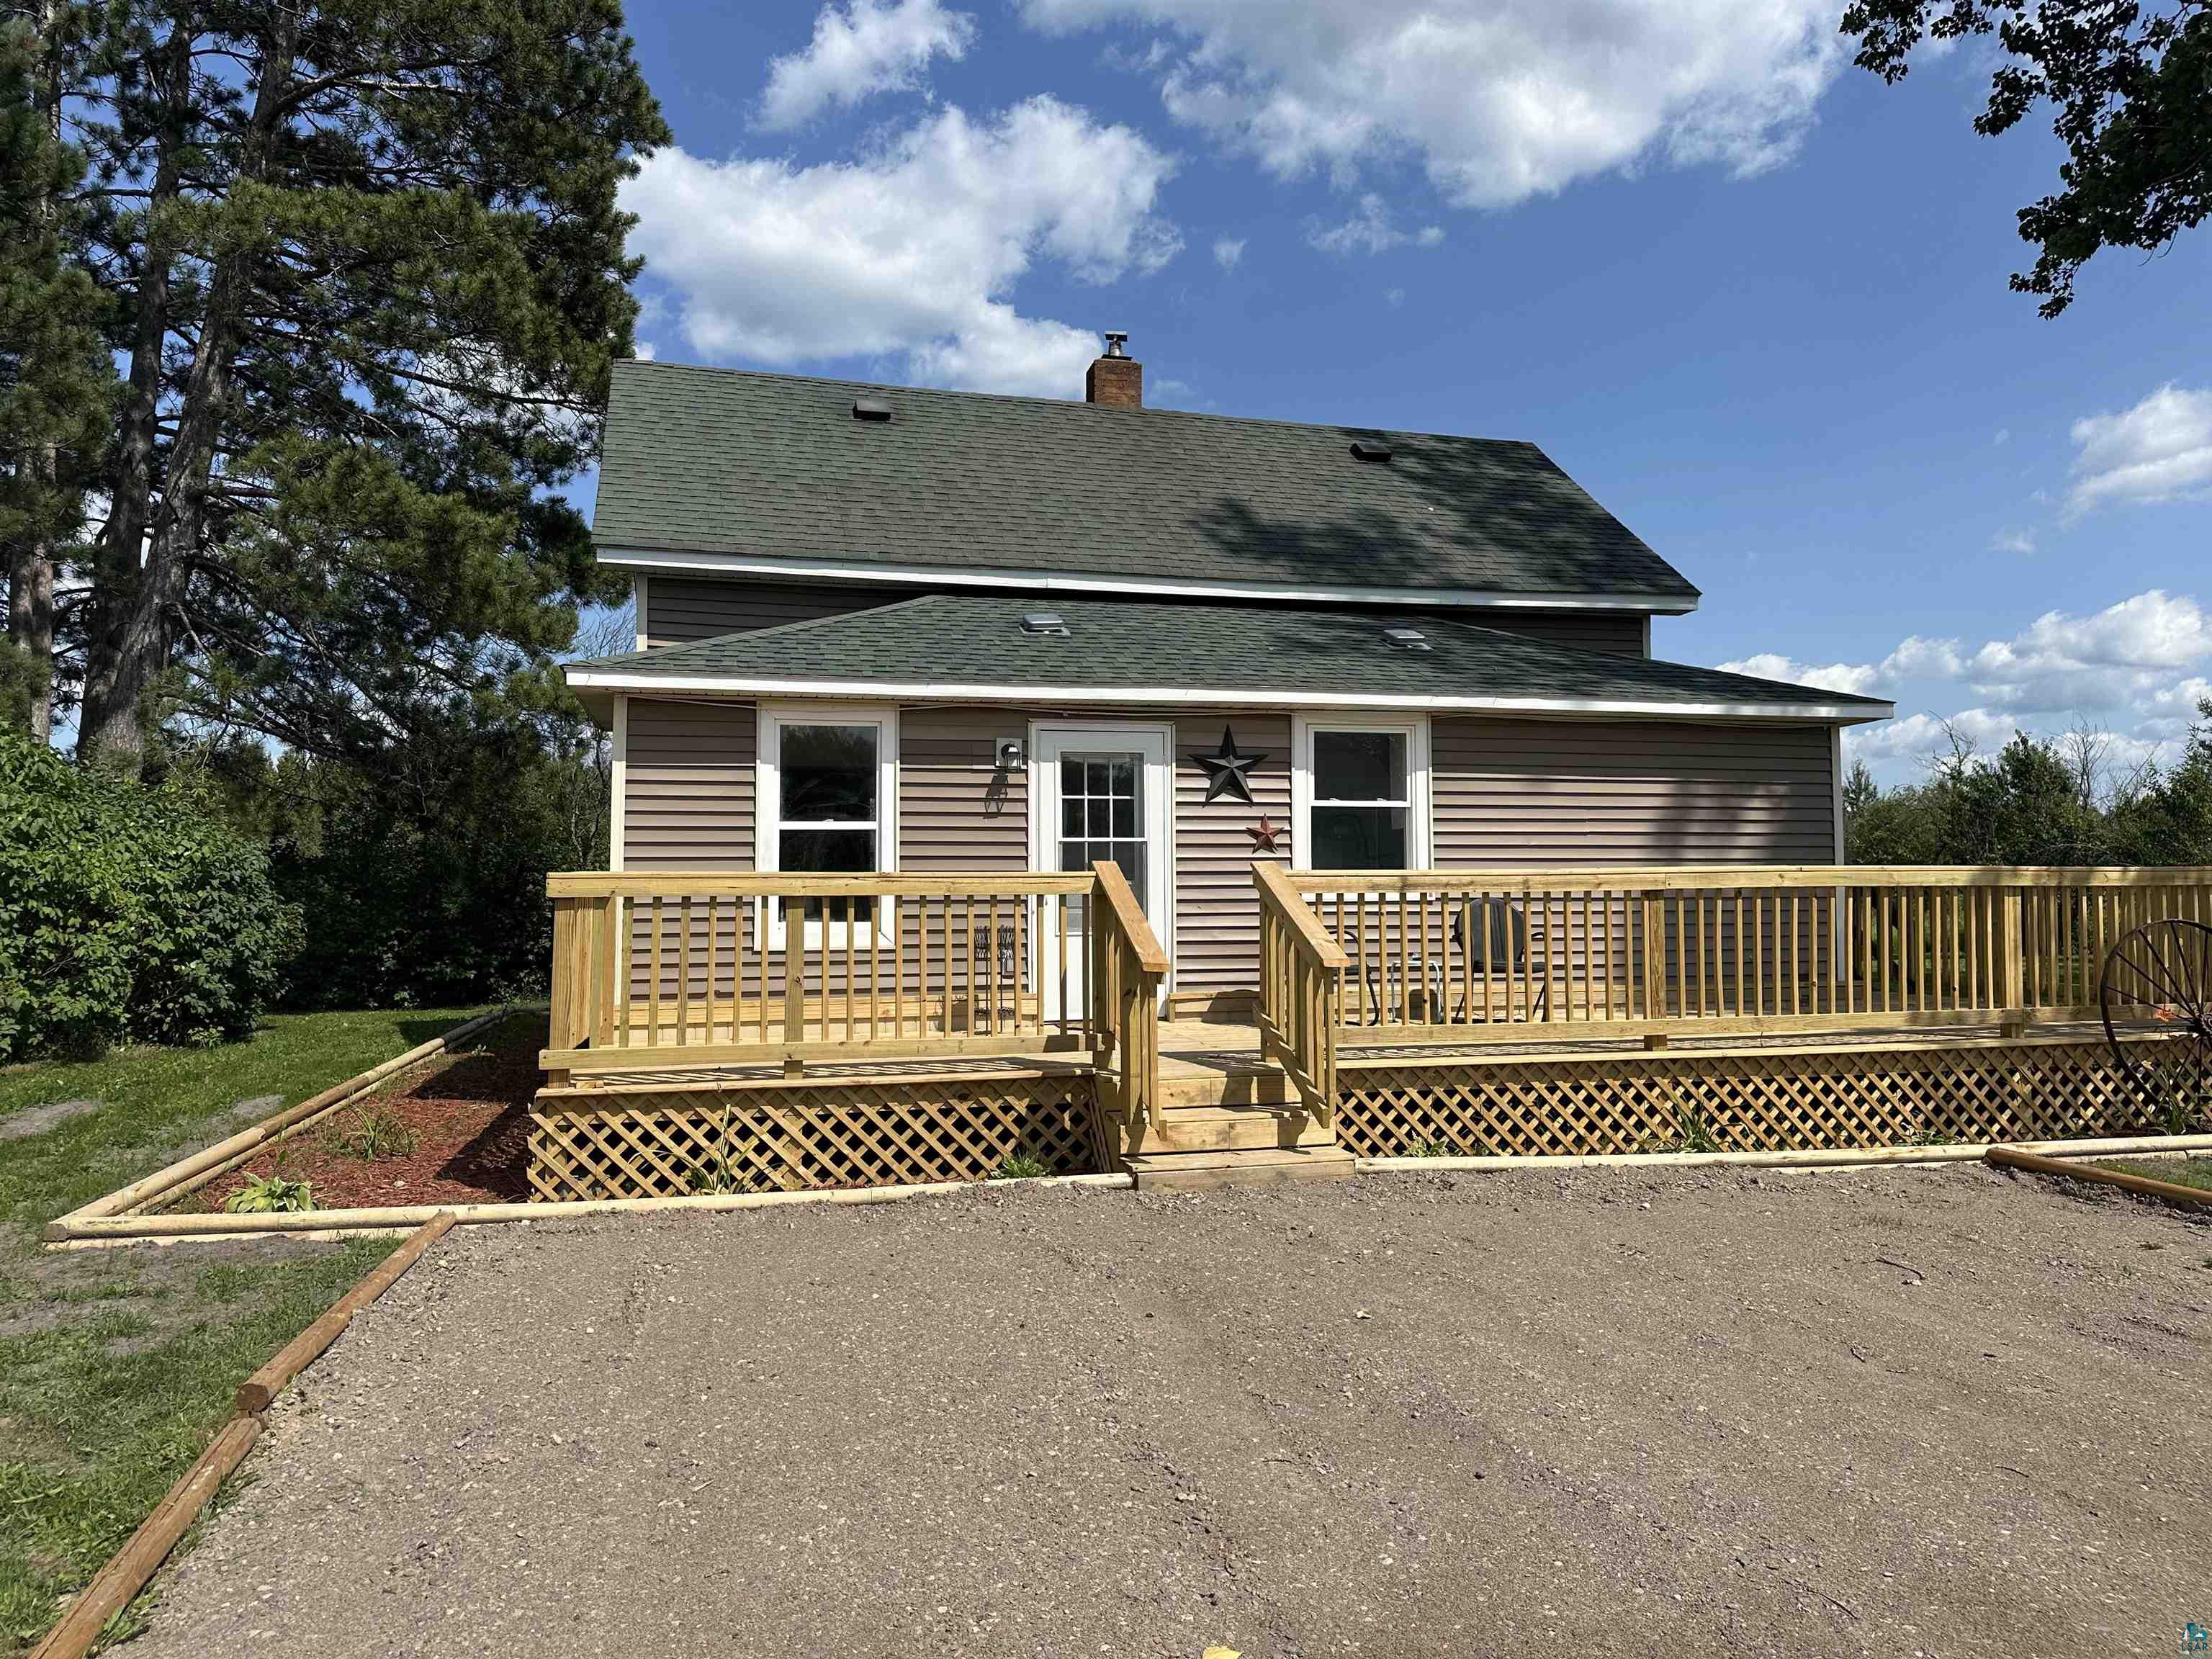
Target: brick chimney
1115 380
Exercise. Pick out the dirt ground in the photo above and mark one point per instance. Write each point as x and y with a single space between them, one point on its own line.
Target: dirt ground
1912 1412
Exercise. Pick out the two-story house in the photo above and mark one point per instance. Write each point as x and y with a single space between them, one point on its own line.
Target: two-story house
883 628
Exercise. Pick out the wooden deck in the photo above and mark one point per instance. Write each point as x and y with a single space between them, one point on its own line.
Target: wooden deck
1485 1013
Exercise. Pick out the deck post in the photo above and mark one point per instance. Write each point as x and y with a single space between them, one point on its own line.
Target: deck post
794 980
2014 997
1655 960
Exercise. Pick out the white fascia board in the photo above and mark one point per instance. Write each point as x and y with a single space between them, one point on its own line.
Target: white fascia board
1050 696
1064 581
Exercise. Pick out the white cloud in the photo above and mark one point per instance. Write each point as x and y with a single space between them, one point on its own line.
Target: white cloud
1228 251
1915 658
2159 451
1920 737
866 48
1370 230
1503 99
914 249
2133 671
1857 679
2112 658
2013 541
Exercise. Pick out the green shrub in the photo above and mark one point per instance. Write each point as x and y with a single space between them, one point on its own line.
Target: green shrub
127 912
1020 1166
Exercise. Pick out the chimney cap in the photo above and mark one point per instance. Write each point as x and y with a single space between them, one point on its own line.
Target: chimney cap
1115 339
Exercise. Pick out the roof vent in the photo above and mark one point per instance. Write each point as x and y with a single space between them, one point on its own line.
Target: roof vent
1044 622
1406 639
1364 450
868 409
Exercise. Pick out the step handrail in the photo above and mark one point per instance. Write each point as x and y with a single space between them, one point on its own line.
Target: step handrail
1128 966
1300 989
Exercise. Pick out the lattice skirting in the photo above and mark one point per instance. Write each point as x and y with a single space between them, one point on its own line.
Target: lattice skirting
807 1137
1779 1100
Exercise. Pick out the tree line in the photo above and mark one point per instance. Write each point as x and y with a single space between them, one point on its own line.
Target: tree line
307 313
2038 800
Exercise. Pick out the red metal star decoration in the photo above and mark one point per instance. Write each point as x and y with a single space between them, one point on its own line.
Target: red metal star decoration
1264 835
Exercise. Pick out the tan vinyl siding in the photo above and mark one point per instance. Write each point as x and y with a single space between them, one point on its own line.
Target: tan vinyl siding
687 805
957 810
1505 791
681 608
1617 631
1641 791
1217 942
688 797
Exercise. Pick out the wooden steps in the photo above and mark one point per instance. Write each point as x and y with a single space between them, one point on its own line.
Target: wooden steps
1231 1082
1229 1129
1229 1119
1189 1172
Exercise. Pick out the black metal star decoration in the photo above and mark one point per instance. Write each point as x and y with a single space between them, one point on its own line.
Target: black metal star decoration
1227 769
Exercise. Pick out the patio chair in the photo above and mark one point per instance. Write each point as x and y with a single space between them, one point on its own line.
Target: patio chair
1501 944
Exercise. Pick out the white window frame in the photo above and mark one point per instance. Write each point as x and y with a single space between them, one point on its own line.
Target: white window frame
1415 728
768 806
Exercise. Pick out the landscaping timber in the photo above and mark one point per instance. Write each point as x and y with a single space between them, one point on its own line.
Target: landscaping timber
2012 1158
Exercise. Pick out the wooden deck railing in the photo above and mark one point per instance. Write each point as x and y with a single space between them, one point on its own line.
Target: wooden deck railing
653 970
713 966
1128 967
1483 956
1301 990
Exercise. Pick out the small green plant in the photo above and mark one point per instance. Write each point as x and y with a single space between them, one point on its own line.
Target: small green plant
267 1194
1696 1136
1020 1166
716 1176
713 1178
375 1133
1429 1149
2184 1112
1691 1134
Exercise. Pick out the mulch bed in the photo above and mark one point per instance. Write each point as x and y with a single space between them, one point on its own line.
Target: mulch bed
469 1116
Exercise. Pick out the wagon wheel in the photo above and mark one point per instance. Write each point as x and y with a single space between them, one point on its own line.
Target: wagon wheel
2162 972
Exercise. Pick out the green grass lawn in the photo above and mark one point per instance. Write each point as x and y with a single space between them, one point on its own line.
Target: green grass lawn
118 1366
2179 1171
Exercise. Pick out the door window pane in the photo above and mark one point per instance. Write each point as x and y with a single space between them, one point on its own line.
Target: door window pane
1101 814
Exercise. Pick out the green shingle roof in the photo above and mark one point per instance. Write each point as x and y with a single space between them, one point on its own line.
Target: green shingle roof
974 644
774 467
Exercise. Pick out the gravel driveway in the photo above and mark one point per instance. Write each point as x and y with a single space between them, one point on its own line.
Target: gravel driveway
1941 1413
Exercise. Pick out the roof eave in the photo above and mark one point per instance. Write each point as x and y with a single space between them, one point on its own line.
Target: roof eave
707 562
1852 712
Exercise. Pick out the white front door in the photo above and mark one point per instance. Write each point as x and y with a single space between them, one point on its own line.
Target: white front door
1101 791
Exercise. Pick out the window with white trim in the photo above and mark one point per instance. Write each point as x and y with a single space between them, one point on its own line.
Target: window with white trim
1362 796
827 778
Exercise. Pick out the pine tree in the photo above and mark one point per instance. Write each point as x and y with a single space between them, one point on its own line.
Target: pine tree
368 277
56 382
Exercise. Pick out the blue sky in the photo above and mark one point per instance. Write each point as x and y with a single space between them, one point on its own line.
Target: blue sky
1751 299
